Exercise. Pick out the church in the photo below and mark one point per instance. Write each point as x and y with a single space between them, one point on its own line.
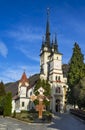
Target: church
51 69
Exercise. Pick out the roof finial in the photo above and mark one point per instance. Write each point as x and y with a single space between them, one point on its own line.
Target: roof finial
48 11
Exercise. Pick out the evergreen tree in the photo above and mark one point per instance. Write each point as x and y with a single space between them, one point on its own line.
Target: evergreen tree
2 102
75 73
2 96
80 89
2 89
8 104
46 86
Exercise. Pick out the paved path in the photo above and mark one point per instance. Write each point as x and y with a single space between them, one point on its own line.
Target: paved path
59 122
66 122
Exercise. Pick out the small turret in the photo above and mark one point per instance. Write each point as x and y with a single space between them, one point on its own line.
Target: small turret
24 81
56 43
23 85
54 46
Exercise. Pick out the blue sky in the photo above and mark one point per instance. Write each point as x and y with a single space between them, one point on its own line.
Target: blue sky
22 26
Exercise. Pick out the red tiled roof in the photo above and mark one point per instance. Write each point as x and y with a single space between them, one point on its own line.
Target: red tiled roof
24 79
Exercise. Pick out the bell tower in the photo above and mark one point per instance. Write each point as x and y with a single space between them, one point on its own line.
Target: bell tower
55 63
51 69
45 51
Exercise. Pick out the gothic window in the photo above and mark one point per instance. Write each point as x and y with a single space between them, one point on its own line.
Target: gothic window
56 78
22 104
58 90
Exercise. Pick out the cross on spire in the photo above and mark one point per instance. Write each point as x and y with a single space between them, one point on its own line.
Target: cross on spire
48 12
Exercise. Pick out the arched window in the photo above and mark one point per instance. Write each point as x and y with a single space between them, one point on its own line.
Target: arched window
56 78
58 90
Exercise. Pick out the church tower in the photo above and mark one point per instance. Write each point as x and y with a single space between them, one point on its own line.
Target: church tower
51 70
45 51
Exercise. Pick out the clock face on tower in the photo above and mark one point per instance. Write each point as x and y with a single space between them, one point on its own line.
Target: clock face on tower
58 65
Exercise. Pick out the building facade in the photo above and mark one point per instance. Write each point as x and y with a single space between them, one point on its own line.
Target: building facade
21 101
51 70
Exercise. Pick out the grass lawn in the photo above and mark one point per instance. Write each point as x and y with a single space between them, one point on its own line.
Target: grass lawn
32 116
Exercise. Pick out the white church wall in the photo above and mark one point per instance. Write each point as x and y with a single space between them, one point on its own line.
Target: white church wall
23 90
24 103
13 106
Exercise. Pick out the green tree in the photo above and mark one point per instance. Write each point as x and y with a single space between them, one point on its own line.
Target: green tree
8 104
75 73
2 96
47 92
2 102
2 89
80 88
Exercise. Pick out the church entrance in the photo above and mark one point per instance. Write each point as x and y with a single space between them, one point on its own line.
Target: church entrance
57 107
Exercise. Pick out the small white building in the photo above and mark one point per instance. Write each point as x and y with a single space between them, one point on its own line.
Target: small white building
22 101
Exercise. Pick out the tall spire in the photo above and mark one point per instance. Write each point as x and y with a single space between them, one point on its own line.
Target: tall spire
56 43
47 39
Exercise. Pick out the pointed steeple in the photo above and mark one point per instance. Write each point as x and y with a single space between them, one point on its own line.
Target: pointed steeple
47 38
56 43
24 81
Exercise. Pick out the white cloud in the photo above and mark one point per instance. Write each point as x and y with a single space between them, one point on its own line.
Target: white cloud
28 53
3 49
25 34
14 73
